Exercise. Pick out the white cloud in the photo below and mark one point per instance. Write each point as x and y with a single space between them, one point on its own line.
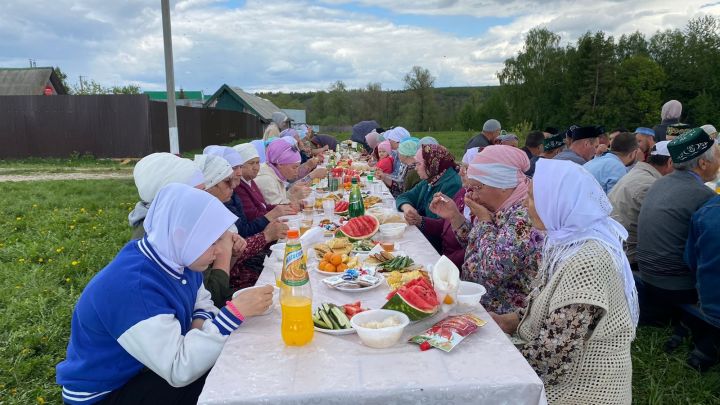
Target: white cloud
297 45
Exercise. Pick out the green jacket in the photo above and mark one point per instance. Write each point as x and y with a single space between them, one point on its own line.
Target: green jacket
421 195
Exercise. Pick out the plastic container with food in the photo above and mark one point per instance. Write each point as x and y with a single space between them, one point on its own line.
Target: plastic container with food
392 232
469 294
379 328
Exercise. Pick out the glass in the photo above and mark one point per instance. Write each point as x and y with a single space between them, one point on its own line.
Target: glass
305 225
328 208
388 246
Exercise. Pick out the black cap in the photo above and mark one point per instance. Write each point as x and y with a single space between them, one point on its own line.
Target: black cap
587 132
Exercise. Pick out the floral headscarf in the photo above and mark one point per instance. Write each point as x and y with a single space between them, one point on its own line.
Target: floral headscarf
437 161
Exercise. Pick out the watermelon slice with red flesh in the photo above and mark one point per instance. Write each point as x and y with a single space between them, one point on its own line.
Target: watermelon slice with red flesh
362 227
416 299
341 207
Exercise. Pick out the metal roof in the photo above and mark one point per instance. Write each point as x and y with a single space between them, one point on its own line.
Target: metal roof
28 81
265 108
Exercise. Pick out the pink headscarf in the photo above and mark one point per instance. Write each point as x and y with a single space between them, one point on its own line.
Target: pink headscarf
372 139
502 166
280 152
385 145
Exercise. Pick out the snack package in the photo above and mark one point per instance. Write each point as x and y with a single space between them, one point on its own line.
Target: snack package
447 333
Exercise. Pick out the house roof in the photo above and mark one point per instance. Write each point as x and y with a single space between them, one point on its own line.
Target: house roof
262 107
189 95
28 81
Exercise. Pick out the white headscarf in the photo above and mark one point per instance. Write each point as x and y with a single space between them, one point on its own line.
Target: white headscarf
156 170
575 209
224 152
671 110
397 134
246 151
214 168
470 154
183 222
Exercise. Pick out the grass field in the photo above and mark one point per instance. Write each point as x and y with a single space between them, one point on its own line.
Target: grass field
55 235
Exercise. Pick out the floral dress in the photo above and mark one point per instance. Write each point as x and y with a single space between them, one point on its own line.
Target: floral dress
503 255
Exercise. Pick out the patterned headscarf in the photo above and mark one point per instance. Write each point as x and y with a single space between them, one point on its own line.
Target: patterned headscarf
437 161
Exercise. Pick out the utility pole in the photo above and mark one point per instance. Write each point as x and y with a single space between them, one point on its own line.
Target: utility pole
170 78
82 89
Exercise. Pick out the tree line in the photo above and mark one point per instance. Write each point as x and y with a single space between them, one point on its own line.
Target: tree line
598 79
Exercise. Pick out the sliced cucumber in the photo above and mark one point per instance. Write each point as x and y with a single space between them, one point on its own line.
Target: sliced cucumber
342 319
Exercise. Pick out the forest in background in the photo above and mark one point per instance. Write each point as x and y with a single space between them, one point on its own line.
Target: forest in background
597 80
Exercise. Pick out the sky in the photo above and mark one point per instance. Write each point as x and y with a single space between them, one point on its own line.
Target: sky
300 45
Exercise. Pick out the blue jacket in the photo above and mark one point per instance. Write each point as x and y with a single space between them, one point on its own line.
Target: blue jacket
702 254
135 313
607 169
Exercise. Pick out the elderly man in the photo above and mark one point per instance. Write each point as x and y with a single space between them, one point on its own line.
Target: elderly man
646 140
663 227
609 168
280 122
490 132
628 194
710 130
551 146
583 146
670 114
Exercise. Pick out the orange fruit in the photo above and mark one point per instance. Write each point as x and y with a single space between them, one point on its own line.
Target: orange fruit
448 300
322 264
341 267
329 267
328 256
336 259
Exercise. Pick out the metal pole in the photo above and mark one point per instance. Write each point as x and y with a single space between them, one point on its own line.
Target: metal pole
170 78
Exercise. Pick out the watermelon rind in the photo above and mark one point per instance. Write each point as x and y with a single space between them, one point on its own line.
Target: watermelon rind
398 303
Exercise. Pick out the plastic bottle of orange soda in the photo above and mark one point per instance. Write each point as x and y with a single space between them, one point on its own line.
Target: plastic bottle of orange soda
297 327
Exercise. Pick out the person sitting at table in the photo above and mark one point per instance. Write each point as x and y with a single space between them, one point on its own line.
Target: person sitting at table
144 329
396 136
503 250
360 132
438 172
427 140
244 272
551 147
153 172
280 121
408 177
372 142
583 310
382 155
281 167
701 255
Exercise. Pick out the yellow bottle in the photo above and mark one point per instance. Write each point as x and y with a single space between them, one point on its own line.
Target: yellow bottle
297 327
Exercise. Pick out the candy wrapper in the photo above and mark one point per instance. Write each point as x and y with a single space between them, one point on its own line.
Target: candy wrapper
447 333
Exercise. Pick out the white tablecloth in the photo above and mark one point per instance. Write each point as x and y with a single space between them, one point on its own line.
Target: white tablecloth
255 366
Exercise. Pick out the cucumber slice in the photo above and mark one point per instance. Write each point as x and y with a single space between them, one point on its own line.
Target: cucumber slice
326 320
342 319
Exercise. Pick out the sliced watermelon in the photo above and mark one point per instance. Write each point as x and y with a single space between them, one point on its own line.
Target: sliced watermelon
341 207
362 227
416 299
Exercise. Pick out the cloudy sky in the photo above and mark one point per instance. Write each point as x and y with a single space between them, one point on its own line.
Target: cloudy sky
306 45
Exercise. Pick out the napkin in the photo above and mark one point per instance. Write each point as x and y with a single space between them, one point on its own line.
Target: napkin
446 280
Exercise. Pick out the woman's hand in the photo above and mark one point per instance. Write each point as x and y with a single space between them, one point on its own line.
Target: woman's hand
279 211
239 245
274 231
412 217
477 209
254 301
507 322
299 191
443 206
318 173
224 251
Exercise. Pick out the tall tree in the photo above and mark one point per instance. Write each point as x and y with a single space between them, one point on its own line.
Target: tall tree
420 83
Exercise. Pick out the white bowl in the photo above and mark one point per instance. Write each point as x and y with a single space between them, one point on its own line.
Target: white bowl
392 231
469 293
275 299
379 338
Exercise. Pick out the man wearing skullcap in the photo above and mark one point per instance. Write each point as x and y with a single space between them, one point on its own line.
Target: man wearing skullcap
670 114
663 227
551 147
646 140
583 146
490 132
609 168
710 130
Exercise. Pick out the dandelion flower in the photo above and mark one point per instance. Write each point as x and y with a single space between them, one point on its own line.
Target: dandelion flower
40 400
72 226
18 218
75 262
34 205
67 280
21 260
40 260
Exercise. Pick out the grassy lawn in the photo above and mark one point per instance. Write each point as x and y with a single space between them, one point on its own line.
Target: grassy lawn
84 164
55 235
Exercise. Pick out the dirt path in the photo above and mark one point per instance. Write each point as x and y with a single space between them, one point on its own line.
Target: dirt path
64 176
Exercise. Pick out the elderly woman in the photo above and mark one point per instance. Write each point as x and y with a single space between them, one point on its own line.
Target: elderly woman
407 178
583 310
503 251
280 121
281 167
438 171
153 172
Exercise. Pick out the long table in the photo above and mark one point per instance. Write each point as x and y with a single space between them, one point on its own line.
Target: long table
255 366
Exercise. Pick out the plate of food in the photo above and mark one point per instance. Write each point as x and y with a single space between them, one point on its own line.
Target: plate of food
397 261
363 246
332 264
335 319
371 200
354 280
334 245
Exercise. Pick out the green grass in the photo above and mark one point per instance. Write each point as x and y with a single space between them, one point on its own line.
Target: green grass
55 235
84 164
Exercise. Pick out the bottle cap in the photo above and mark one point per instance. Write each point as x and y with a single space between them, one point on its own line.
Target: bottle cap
293 234
354 180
